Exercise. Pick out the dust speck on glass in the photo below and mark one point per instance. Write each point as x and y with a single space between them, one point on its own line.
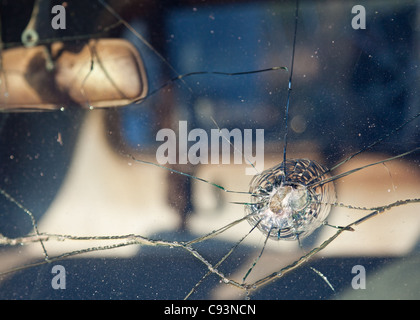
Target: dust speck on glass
88 211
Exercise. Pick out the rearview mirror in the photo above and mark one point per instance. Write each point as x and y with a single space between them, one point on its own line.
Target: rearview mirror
97 74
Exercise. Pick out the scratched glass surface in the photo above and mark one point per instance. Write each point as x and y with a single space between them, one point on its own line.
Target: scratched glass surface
124 228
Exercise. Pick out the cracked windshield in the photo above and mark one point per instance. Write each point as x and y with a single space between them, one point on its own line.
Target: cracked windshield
205 150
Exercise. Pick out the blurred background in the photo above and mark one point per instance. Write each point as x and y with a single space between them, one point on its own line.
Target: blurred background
70 167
